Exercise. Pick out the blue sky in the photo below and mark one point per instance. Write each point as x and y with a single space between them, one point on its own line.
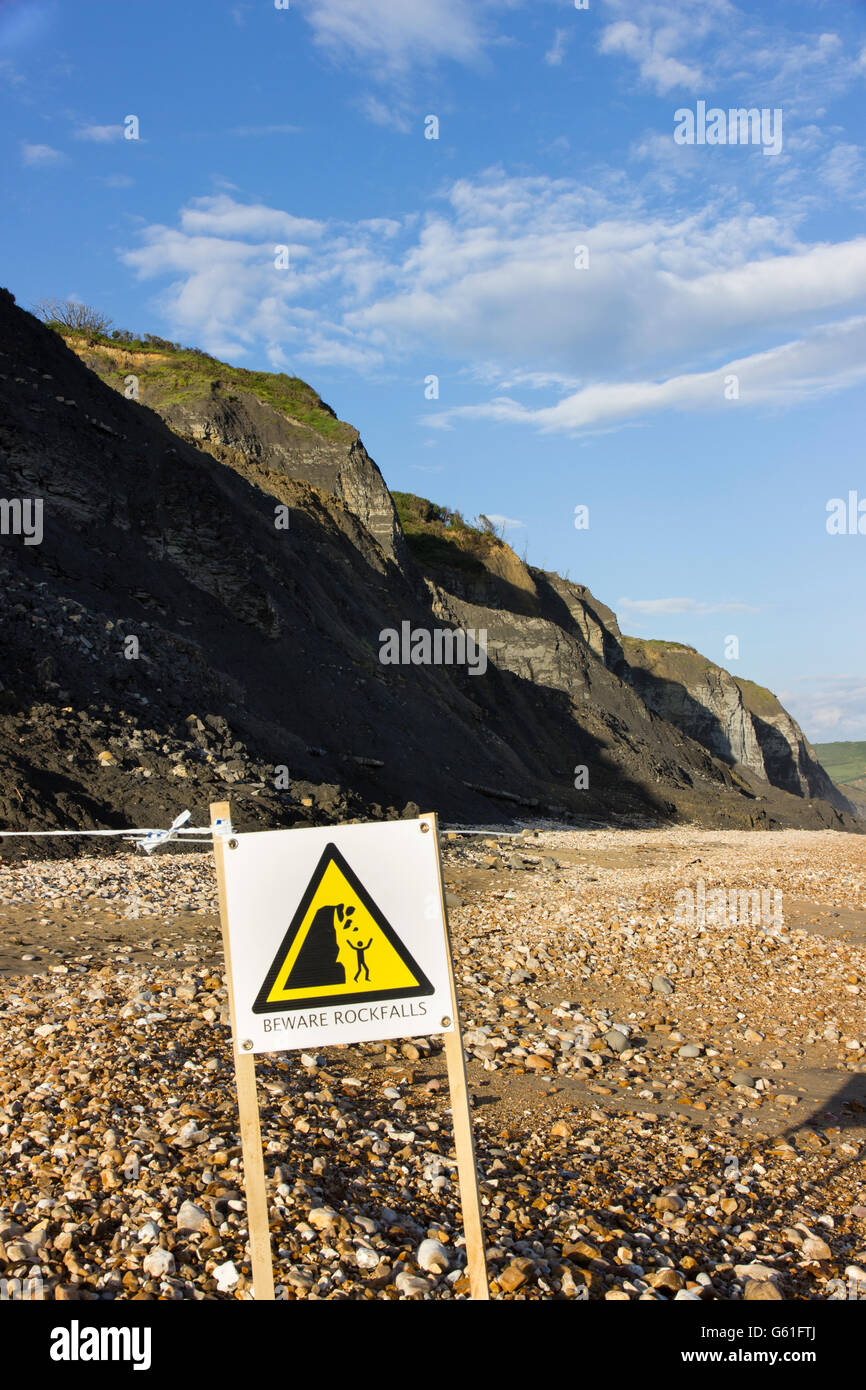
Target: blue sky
605 383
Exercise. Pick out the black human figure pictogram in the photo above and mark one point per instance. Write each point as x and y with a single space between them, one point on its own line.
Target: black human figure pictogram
362 964
359 948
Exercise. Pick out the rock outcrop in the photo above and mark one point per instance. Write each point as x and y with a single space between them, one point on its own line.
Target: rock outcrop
225 411
737 720
557 634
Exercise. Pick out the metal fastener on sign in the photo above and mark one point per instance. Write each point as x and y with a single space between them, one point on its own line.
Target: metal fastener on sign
424 827
233 844
247 1044
446 1023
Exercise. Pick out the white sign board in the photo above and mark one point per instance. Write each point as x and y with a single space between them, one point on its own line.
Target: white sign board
337 935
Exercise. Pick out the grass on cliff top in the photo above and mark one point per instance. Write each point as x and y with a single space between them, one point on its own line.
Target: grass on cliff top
757 698
657 644
843 762
675 658
440 538
178 374
672 659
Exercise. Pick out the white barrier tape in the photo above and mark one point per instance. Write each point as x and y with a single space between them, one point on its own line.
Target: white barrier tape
153 838
148 840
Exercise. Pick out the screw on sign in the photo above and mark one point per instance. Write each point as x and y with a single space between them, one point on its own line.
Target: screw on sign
334 936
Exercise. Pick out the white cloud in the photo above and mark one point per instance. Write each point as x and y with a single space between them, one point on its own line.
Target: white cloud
842 169
396 34
555 54
381 114
652 53
709 44
99 134
491 373
669 305
324 351
828 359
692 606
40 156
224 286
220 215
505 521
496 280
828 708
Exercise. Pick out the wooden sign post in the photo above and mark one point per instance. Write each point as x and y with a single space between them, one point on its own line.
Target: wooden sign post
464 1142
334 936
248 1101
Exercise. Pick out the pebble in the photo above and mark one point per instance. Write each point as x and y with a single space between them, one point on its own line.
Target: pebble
755 1271
758 1290
433 1256
814 1248
322 1218
226 1276
191 1217
158 1263
411 1285
742 1078
515 1275
367 1257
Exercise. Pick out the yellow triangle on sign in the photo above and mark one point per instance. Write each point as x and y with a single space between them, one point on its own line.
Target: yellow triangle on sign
339 948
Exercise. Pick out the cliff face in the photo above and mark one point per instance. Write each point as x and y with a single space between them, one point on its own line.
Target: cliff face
614 735
166 643
559 636
700 698
242 419
790 761
737 720
596 622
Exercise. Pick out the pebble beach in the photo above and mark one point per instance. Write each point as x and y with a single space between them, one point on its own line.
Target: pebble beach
663 1108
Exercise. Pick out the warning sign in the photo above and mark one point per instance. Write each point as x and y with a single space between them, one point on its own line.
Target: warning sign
339 948
337 935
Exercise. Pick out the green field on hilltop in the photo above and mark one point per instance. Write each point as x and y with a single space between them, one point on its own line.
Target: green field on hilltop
844 762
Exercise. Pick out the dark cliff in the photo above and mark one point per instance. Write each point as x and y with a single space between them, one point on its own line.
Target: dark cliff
202 618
